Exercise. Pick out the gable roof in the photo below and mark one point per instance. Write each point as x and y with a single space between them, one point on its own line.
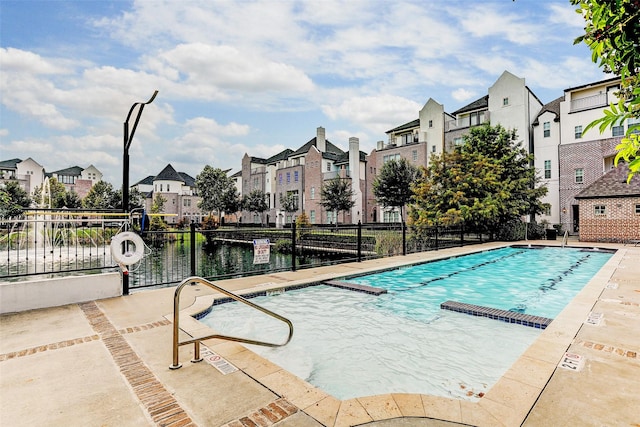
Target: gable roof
187 179
478 104
551 107
9 164
612 184
409 125
169 174
72 171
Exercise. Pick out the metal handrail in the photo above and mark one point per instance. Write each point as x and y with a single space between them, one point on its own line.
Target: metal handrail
565 238
196 341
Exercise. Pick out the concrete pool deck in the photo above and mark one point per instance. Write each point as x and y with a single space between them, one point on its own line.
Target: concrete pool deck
106 363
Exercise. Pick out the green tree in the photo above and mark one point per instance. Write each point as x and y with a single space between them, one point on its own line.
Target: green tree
289 202
157 223
486 183
232 202
337 196
13 200
72 200
213 186
57 191
102 196
612 32
255 202
392 188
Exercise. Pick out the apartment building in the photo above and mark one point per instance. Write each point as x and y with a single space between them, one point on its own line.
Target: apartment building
179 191
28 173
300 174
509 102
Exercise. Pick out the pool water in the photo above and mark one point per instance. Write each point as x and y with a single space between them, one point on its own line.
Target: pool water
352 344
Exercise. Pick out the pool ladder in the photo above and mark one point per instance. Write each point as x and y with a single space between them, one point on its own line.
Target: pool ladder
196 341
565 238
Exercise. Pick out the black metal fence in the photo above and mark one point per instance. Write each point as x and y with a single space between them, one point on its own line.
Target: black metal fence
54 246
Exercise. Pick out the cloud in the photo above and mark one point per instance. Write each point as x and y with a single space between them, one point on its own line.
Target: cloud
489 21
462 94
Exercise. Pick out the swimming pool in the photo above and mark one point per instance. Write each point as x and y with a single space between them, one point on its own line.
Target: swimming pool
352 344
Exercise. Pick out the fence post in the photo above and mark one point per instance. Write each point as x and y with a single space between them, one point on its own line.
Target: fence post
404 239
436 237
293 246
462 235
192 235
359 242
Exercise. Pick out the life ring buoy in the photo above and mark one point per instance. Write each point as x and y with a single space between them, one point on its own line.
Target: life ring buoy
135 248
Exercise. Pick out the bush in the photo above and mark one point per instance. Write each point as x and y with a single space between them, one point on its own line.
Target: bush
283 246
515 231
389 243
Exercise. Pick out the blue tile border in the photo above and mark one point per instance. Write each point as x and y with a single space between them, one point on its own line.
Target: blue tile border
537 322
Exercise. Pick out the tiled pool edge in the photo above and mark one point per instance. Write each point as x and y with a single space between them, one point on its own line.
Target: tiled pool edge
537 322
508 402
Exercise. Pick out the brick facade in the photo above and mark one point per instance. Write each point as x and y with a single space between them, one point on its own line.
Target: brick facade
588 156
620 221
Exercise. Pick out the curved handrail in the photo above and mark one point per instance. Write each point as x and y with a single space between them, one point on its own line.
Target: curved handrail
196 341
565 238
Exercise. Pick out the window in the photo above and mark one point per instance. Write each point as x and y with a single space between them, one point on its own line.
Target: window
288 177
430 123
505 102
578 132
600 210
476 118
579 176
255 183
331 217
168 187
280 179
433 148
407 138
547 169
414 154
390 157
546 126
312 216
458 141
313 193
638 209
160 187
617 130
328 167
295 176
547 210
633 122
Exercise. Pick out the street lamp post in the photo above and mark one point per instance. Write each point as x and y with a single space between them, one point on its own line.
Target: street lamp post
128 138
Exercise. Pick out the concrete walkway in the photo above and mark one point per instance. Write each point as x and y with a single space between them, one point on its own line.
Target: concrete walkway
106 363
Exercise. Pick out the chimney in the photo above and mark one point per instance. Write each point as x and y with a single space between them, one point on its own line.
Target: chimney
321 142
380 145
354 170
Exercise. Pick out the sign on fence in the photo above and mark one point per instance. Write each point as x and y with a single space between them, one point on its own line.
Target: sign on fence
261 250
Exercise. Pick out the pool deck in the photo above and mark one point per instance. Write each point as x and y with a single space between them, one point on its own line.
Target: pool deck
106 363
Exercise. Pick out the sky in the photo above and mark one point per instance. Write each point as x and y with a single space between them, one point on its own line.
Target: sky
256 77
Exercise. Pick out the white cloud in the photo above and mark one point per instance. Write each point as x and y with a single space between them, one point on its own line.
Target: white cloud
462 94
4 132
565 14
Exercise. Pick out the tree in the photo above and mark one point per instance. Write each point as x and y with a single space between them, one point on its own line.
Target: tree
57 191
612 32
157 222
336 196
232 202
486 183
289 202
255 202
101 196
392 188
213 186
72 200
13 200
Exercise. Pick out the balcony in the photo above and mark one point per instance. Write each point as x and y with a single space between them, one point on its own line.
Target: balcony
589 102
473 119
341 173
259 170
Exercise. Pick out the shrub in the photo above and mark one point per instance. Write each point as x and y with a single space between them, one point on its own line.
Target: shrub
389 243
283 246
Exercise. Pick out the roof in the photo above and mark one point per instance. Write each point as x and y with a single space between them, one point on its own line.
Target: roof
237 174
188 179
146 181
551 107
169 174
410 125
280 156
478 104
313 142
599 83
9 164
344 158
612 184
72 171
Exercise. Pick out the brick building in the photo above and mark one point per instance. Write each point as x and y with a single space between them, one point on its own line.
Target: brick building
609 208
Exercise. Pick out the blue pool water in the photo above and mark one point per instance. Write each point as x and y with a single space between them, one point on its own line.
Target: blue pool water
352 344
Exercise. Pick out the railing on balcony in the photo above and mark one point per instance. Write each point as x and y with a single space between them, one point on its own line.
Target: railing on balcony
333 174
261 169
589 102
466 121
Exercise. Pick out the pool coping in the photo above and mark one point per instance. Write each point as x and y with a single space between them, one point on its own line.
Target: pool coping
507 402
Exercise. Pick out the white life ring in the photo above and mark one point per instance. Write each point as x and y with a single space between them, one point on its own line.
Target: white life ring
135 248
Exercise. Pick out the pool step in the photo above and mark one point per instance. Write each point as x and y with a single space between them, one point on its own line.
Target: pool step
497 314
355 287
